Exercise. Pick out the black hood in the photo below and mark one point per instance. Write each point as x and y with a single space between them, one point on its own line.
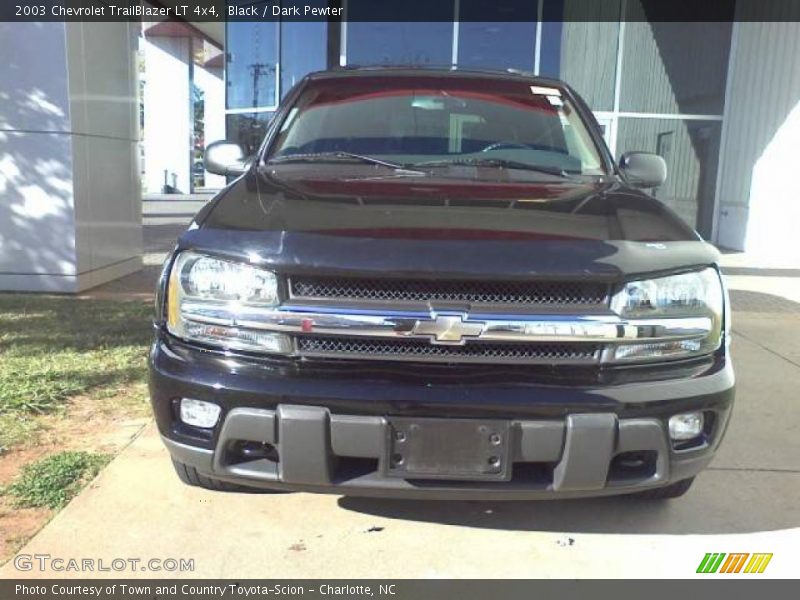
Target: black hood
360 220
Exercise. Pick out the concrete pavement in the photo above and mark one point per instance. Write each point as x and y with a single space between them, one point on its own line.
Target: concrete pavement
746 502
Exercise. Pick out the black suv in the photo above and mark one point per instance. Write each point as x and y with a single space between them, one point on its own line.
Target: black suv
438 284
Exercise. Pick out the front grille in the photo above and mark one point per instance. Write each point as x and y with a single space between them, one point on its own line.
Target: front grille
536 293
423 350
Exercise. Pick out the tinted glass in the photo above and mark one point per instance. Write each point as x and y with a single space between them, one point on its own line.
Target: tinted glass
252 57
434 119
374 41
673 67
507 42
691 150
247 129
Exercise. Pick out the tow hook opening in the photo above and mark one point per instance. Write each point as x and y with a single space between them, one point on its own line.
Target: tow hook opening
243 451
628 466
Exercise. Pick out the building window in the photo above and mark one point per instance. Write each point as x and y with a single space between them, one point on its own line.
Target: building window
264 61
507 41
373 40
252 64
304 46
691 149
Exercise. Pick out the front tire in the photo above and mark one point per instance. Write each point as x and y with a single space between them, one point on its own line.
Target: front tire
674 490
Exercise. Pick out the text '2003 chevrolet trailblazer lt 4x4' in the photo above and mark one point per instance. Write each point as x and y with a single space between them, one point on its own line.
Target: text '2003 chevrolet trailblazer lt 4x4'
438 284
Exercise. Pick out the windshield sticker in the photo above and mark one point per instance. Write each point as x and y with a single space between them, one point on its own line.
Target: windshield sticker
538 90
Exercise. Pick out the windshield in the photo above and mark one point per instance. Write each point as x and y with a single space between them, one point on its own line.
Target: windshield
438 122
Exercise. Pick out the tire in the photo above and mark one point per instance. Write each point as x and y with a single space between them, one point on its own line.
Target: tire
674 490
190 476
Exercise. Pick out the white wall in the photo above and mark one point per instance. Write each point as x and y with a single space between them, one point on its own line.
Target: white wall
212 82
37 225
167 124
759 207
70 214
104 106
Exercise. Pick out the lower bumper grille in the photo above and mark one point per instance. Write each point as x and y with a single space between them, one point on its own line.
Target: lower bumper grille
423 350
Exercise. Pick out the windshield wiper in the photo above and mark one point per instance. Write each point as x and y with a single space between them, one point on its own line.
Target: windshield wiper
339 155
497 163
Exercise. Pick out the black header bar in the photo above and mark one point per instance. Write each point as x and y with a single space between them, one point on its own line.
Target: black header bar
399 589
400 10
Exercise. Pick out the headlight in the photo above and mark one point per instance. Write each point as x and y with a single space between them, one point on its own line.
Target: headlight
696 297
208 297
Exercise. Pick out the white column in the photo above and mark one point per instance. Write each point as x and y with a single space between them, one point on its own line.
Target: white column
212 82
167 118
758 205
70 216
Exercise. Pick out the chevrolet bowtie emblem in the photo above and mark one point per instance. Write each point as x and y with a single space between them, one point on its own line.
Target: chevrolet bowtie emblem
448 329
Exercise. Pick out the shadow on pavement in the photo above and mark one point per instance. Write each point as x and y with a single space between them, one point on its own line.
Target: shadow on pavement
625 515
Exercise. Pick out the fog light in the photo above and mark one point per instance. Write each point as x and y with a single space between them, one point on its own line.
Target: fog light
685 426
198 413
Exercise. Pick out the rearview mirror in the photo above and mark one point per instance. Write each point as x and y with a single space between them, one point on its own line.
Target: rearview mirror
226 158
643 169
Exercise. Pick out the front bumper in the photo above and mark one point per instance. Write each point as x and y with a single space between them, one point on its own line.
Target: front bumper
328 428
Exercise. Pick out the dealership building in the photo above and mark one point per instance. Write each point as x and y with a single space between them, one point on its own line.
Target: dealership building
95 115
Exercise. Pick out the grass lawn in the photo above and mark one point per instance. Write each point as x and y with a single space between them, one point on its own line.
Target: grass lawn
72 393
55 348
54 480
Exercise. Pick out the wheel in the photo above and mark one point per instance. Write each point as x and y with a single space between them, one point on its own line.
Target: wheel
674 490
190 476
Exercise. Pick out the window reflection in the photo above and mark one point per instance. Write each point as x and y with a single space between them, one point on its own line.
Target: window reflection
438 120
252 58
691 149
304 47
372 40
248 129
509 41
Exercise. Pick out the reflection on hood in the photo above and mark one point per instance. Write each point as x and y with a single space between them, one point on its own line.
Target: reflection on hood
304 199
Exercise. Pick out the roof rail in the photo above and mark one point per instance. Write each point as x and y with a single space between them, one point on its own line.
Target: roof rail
450 68
368 67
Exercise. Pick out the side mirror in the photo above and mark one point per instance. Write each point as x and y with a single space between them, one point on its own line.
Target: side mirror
643 169
225 158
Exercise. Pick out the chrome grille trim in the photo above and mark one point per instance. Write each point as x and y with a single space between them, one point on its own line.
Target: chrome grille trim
495 293
451 328
333 347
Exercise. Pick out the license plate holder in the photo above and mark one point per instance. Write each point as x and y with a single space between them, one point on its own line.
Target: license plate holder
452 449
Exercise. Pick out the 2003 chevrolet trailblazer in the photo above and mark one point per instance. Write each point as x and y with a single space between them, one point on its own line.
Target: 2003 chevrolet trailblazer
437 283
